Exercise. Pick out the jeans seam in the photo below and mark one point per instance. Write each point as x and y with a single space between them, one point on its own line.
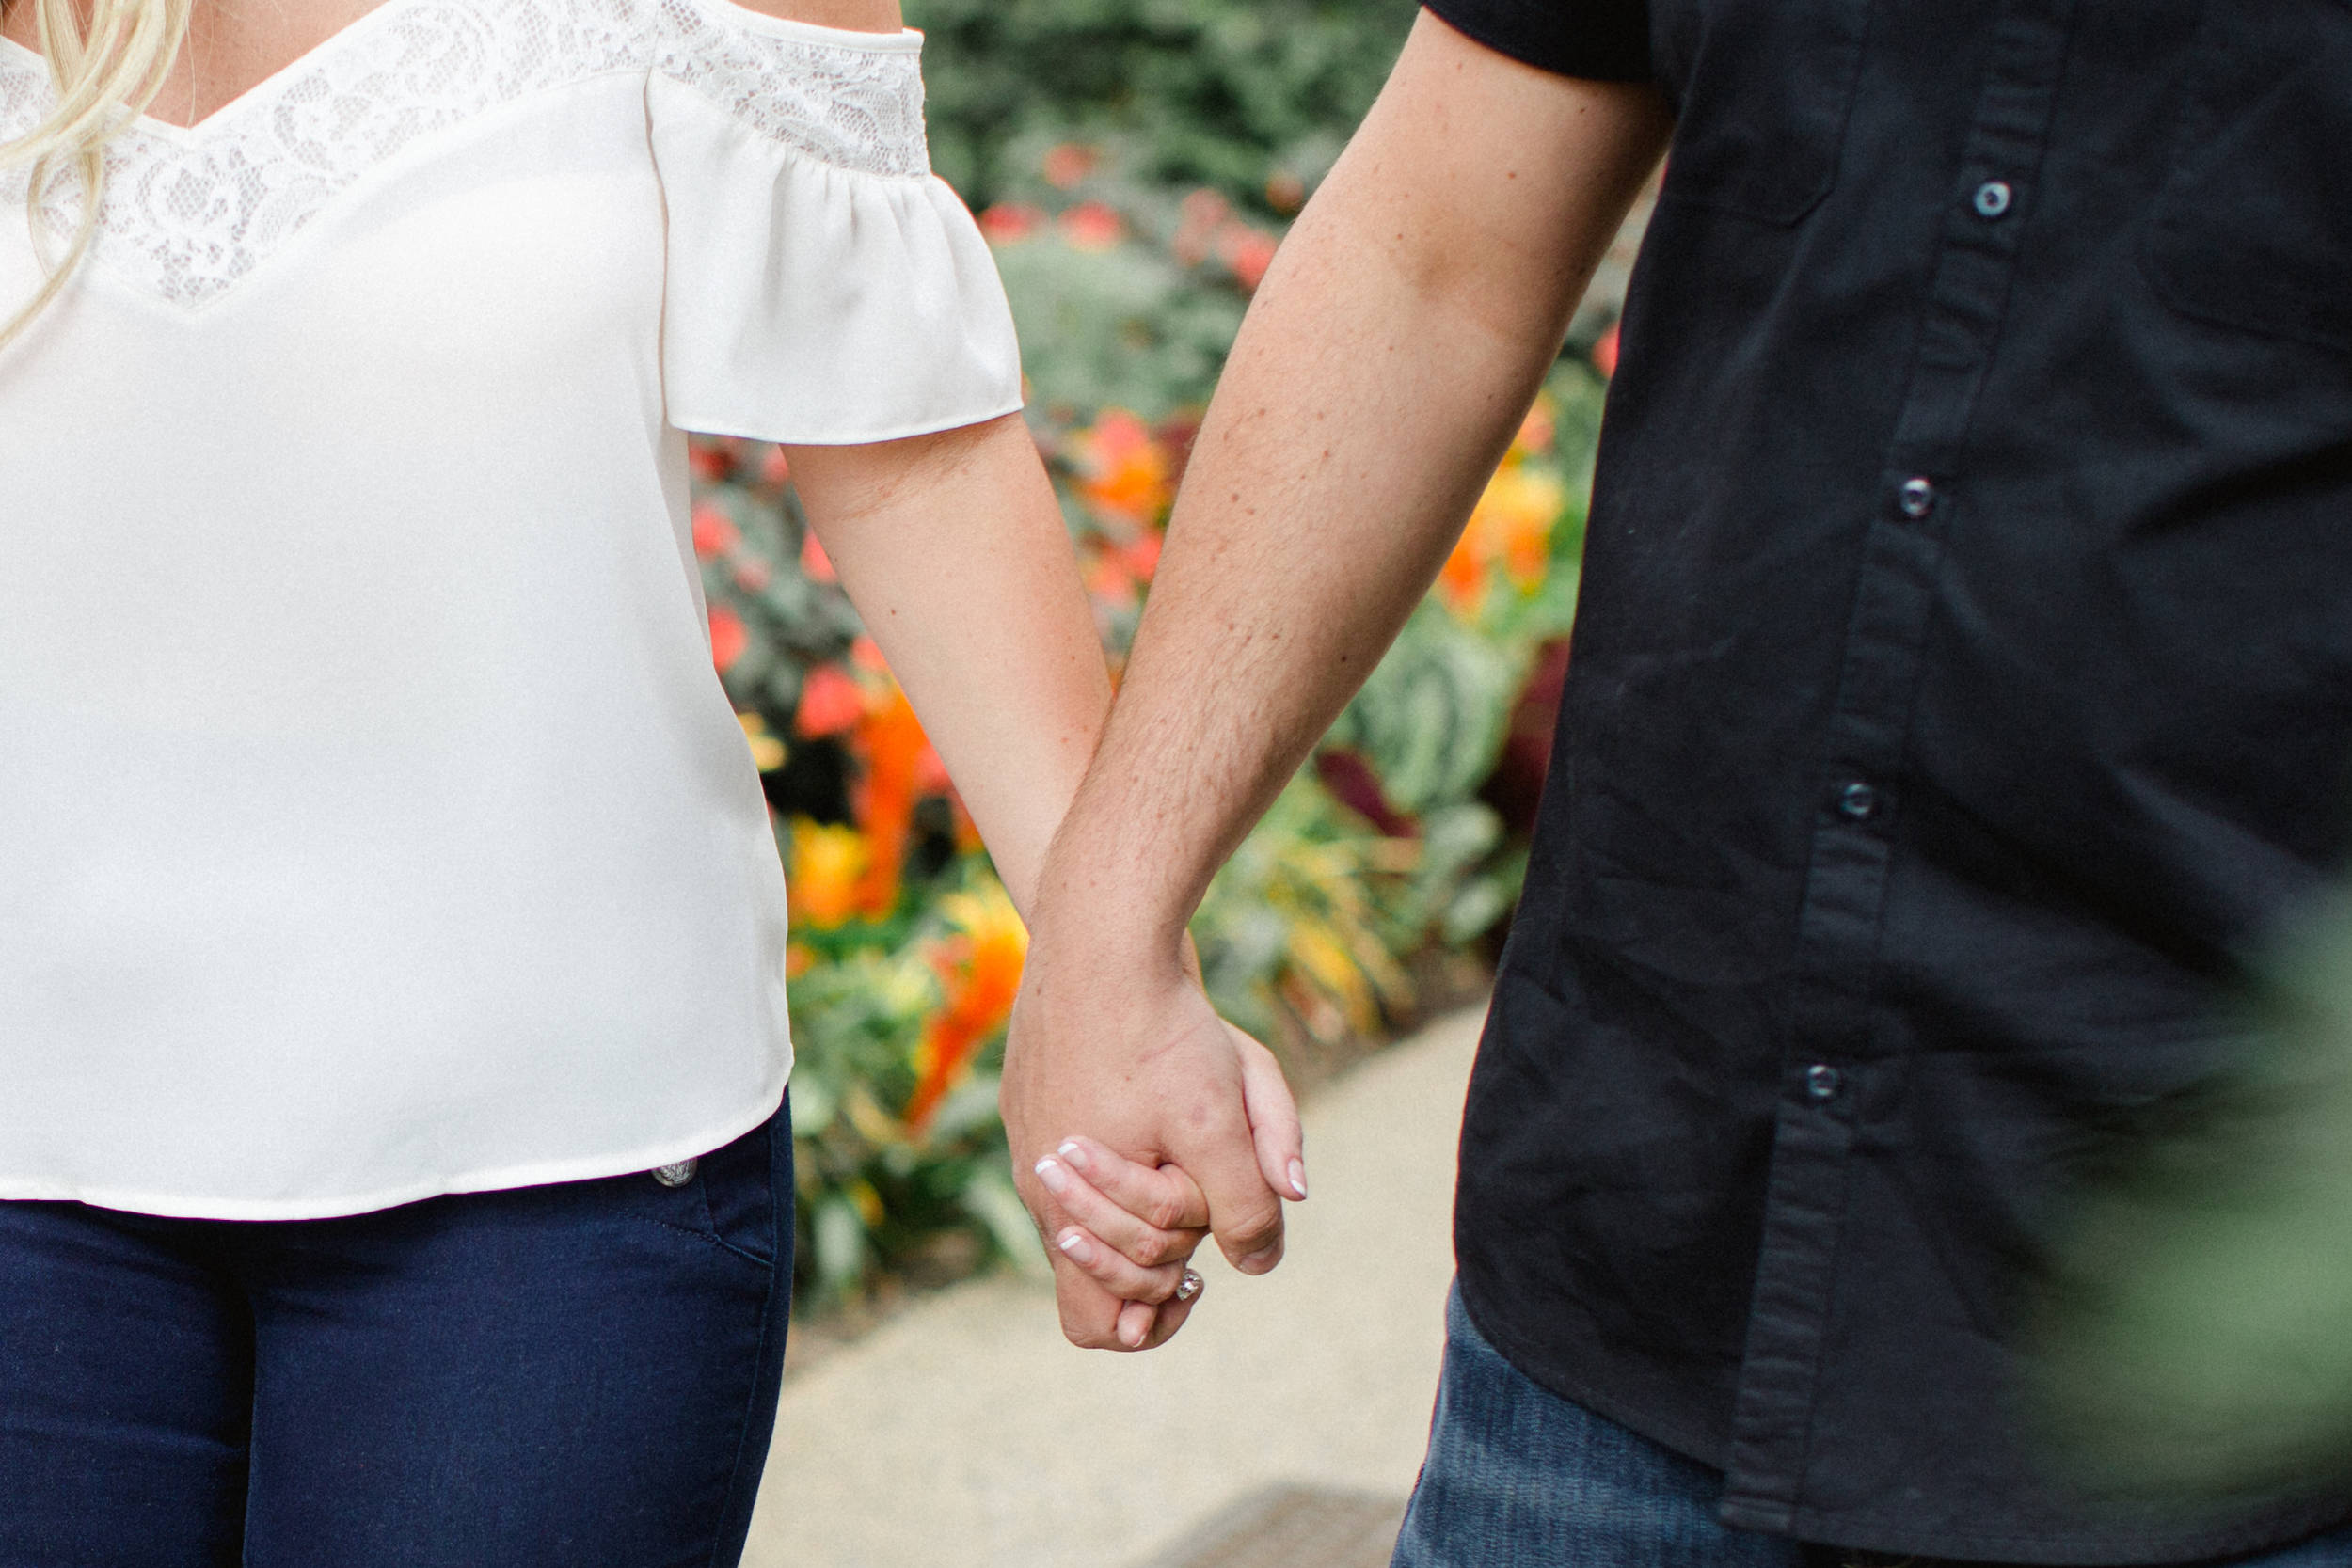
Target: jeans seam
719 1242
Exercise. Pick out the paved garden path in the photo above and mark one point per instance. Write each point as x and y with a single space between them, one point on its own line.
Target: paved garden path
967 1434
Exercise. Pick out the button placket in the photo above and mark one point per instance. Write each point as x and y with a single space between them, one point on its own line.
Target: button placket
1963 314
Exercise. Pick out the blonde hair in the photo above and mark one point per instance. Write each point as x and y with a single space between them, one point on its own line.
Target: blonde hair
108 67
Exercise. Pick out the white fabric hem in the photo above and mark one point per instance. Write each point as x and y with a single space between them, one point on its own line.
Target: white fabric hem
754 432
544 1173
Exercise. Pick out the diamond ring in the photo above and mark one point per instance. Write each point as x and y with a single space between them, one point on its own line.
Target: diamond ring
1189 1286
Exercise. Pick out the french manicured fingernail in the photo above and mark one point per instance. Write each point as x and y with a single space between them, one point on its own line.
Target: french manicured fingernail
1056 1179
1076 1156
1299 1177
1258 1262
1074 1246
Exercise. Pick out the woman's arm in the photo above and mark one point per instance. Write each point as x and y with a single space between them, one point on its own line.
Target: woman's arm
953 548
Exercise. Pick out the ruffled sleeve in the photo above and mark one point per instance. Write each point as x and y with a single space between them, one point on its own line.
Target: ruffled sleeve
823 285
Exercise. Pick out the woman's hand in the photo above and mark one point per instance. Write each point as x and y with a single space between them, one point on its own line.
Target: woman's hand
1133 1227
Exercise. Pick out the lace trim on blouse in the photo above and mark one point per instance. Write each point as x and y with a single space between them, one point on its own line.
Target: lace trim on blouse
190 211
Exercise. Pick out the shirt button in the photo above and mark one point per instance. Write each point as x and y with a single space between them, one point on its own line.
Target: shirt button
1916 497
1993 198
1822 1080
1857 802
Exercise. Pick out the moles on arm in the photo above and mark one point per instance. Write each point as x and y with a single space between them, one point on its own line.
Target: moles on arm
1391 352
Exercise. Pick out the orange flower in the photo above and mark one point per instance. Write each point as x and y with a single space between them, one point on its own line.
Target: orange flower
709 461
889 743
1093 225
1605 352
1511 529
1517 511
729 636
1124 473
821 885
1462 580
980 969
830 702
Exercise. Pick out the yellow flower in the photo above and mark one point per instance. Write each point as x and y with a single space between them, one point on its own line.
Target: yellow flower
767 752
828 862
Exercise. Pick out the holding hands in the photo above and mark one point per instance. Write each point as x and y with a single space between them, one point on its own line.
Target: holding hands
1191 1133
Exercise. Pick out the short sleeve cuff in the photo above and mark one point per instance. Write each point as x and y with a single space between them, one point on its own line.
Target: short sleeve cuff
1602 40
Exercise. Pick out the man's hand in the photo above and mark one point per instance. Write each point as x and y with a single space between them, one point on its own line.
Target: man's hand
1140 1062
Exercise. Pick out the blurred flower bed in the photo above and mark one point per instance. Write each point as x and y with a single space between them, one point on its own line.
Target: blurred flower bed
1399 847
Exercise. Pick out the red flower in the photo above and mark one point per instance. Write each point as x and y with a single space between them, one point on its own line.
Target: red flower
1247 251
1070 163
815 564
1010 222
1143 556
1201 215
830 702
1093 225
711 461
715 532
1605 352
729 636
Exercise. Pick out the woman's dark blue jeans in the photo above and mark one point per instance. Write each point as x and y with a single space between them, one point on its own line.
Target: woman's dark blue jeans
582 1374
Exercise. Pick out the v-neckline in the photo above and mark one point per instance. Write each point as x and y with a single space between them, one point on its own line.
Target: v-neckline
190 133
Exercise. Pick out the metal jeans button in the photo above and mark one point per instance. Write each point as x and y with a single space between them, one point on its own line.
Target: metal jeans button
677 1175
1823 1082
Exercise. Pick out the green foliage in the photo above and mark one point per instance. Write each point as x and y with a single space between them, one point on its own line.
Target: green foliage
1127 327
1224 93
2195 1337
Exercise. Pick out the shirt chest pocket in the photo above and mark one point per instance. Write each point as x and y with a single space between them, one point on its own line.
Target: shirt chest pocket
1764 88
2253 229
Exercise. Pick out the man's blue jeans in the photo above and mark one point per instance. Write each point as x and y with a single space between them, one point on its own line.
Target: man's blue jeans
1518 1477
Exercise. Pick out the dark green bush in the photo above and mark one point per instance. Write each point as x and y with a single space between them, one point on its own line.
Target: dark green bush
1229 93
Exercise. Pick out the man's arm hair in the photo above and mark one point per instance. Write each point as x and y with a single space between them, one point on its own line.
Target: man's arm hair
1389 354
1391 351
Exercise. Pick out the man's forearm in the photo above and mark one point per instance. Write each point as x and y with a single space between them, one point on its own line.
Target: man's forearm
1391 353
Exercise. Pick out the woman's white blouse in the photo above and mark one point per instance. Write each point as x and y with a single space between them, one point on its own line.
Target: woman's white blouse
372 822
